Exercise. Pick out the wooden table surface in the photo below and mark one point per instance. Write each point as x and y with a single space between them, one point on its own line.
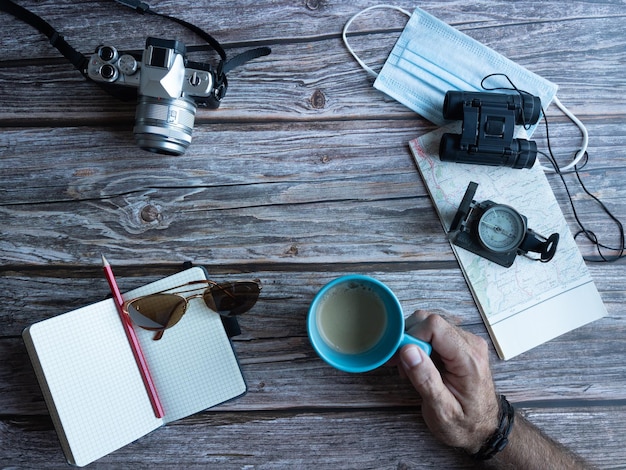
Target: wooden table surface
303 174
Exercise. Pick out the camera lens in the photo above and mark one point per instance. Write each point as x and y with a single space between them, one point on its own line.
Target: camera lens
164 125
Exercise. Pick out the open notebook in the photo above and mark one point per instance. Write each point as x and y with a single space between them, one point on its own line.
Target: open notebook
531 302
92 385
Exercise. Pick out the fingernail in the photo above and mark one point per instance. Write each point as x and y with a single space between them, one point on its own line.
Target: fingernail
410 356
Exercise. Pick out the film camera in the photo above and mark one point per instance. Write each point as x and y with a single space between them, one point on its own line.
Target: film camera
169 89
489 121
497 231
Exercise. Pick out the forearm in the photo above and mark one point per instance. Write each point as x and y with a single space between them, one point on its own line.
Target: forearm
529 448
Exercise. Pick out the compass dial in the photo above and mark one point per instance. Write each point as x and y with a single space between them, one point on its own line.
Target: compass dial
501 229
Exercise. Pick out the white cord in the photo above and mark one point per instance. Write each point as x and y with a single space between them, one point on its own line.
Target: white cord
583 148
366 67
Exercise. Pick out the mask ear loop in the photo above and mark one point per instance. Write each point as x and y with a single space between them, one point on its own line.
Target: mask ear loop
366 67
583 147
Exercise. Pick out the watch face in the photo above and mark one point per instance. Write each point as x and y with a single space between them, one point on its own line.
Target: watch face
501 228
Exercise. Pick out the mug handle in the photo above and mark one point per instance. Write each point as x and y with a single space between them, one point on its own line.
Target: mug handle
423 345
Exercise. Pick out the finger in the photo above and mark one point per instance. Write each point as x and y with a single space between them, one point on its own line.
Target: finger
453 345
412 322
417 317
423 374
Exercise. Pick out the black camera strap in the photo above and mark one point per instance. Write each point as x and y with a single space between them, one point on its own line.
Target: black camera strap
142 7
221 84
77 59
80 61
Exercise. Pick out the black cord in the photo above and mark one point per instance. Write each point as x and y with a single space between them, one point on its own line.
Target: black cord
513 87
591 236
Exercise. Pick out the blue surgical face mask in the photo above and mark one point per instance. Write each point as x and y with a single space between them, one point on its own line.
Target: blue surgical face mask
431 58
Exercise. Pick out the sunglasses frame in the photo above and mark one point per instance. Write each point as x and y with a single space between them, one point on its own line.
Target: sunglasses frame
211 284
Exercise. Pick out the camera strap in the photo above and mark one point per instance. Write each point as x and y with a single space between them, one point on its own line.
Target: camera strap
142 7
80 61
221 84
77 59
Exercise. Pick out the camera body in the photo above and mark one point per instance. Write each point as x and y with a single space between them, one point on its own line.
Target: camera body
489 121
497 232
169 89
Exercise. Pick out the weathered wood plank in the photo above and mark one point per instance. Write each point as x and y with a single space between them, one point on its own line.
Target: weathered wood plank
87 23
309 60
285 374
272 183
287 291
264 153
305 83
300 439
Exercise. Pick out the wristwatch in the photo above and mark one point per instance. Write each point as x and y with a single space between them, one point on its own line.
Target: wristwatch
497 232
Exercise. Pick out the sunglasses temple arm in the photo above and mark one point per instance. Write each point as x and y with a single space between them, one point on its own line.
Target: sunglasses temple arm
158 335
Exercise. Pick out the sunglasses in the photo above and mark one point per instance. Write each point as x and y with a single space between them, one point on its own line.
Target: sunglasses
162 310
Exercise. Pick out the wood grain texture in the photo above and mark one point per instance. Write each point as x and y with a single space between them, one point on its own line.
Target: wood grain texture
301 175
369 439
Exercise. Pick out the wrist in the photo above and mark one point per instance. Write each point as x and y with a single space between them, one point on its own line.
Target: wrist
497 441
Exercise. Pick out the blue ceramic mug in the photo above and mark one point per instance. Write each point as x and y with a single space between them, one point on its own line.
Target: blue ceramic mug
355 323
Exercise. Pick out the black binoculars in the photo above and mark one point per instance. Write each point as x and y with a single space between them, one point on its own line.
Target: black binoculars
489 121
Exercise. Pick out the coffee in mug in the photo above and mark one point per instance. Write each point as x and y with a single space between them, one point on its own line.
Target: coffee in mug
355 323
351 318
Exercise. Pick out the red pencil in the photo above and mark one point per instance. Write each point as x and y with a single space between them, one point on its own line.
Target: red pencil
133 341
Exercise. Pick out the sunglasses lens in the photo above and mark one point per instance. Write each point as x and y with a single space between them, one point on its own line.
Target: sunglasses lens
157 311
232 298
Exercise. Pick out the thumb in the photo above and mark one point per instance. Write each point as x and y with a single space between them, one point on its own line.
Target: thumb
422 373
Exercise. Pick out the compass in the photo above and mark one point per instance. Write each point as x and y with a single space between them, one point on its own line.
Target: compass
501 228
497 232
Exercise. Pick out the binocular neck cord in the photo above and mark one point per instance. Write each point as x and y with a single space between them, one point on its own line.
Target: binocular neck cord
582 153
591 236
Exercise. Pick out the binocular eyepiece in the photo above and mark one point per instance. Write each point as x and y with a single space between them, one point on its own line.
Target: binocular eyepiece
489 121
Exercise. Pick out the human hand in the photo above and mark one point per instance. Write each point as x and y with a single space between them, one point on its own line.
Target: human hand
459 402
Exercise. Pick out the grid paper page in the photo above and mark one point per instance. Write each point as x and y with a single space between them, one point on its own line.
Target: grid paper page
193 365
92 385
98 395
